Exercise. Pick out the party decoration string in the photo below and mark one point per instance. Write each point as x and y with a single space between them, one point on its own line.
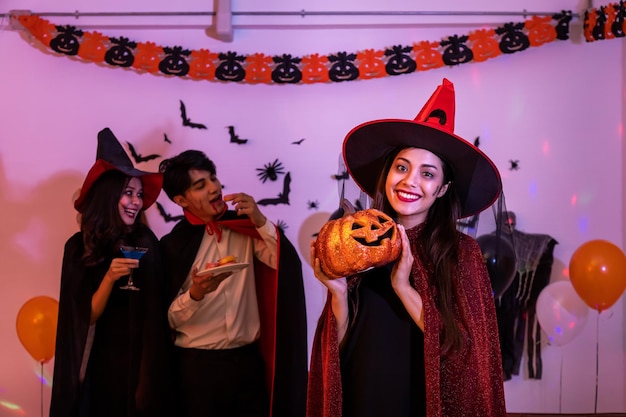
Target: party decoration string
260 68
605 22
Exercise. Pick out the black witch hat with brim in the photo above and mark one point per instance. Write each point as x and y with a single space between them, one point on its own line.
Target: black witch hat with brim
112 156
476 177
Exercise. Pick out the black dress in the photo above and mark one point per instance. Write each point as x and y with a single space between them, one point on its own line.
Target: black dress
383 336
119 367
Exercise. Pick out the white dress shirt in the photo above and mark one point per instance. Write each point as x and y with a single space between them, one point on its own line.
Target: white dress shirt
229 316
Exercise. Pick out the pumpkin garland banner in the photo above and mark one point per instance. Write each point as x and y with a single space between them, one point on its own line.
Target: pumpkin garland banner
259 68
605 22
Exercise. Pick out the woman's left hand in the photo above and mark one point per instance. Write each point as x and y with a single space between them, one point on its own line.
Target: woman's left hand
401 283
402 269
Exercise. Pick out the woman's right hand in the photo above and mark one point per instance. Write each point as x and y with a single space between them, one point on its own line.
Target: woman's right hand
121 267
336 286
338 289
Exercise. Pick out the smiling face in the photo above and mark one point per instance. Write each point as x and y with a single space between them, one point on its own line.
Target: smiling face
414 181
131 201
203 198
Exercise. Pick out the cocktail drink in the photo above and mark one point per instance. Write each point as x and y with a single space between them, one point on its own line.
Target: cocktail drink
132 252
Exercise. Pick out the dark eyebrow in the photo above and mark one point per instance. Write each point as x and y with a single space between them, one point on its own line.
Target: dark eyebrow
409 163
201 180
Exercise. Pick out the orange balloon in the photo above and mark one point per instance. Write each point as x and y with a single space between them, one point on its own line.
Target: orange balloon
598 273
37 327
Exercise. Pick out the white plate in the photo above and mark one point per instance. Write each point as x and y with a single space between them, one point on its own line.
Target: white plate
224 268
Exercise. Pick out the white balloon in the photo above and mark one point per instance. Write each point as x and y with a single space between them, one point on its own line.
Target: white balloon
561 313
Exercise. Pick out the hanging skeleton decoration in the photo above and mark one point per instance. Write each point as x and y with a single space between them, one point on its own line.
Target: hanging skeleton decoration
516 308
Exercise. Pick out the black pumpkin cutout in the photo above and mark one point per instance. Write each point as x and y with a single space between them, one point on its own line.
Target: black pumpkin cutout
456 52
562 27
121 54
343 68
174 63
286 72
230 68
400 61
66 42
617 27
513 39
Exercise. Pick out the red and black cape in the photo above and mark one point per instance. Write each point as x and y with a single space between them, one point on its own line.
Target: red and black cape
280 294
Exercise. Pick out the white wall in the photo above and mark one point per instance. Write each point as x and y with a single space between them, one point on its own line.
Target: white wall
556 108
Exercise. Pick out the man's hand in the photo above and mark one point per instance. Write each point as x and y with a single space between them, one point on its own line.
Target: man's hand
204 284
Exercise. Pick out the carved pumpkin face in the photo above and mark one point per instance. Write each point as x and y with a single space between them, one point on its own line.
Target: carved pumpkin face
356 242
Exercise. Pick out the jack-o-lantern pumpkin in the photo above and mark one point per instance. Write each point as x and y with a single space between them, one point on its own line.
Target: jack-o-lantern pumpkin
356 242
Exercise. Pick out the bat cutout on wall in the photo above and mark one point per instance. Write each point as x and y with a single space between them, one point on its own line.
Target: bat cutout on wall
270 171
283 198
166 139
298 142
344 176
477 141
234 138
166 216
514 164
313 204
186 121
140 158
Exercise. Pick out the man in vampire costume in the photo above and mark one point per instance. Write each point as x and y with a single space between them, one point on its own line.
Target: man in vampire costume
239 331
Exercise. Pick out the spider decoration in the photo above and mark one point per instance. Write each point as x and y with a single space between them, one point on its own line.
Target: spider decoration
514 165
313 204
270 171
281 225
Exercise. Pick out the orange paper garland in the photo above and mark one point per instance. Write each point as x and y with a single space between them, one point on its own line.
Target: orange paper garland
259 68
605 22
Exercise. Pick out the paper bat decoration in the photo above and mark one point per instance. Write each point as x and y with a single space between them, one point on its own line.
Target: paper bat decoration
514 165
140 158
283 198
166 216
186 121
298 142
166 139
477 141
344 176
234 138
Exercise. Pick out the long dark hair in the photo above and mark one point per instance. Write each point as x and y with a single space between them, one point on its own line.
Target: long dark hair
100 221
440 239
